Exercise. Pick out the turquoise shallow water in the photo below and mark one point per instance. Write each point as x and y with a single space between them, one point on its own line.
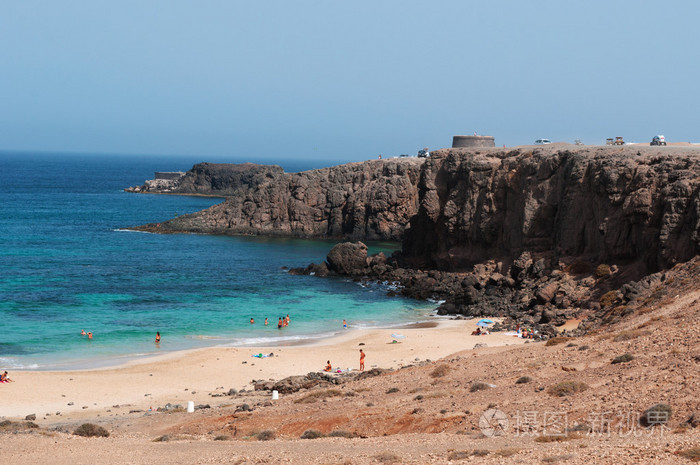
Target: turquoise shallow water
66 264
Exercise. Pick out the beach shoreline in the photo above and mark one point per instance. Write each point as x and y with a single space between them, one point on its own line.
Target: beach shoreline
117 360
205 375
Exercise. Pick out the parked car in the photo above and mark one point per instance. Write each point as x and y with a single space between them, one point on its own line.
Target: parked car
658 140
543 141
423 153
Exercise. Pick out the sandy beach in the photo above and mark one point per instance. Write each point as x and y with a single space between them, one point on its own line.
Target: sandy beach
196 375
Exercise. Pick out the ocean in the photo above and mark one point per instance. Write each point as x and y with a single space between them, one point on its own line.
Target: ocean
67 264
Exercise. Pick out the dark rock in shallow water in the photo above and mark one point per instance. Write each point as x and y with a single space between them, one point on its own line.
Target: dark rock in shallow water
348 258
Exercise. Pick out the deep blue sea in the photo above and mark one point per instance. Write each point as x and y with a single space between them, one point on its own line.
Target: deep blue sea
67 264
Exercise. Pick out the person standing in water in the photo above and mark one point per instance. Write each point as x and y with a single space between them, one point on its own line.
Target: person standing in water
265 321
157 337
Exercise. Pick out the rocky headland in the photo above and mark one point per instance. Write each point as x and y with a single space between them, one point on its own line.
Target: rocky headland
374 200
541 235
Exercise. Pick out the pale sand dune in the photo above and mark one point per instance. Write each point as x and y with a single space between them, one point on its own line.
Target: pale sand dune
193 375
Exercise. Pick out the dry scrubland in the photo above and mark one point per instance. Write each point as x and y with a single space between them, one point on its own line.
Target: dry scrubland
565 401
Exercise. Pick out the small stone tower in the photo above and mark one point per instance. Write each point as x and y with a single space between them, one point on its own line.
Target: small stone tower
473 141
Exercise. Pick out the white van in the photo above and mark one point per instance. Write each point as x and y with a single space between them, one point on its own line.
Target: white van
658 140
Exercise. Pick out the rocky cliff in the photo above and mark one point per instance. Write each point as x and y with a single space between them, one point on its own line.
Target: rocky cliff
463 206
601 203
536 234
369 200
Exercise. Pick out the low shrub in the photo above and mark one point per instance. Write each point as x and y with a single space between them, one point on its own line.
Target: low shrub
629 335
658 414
567 388
578 428
691 454
523 380
465 454
556 437
624 358
478 387
90 430
440 371
506 452
393 390
557 458
387 457
312 434
13 426
318 395
343 434
557 340
222 437
458 455
266 435
602 270
608 299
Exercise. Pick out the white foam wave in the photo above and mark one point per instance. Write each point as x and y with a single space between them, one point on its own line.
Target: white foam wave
12 364
268 341
131 230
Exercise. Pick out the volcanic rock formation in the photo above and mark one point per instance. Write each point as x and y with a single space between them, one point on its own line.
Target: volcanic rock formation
373 200
533 233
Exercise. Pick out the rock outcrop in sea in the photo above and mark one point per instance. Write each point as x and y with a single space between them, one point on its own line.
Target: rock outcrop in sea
373 200
538 233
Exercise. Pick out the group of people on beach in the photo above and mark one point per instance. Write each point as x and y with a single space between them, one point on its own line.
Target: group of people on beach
283 321
329 366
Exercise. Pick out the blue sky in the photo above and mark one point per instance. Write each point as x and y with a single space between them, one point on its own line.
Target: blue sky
341 80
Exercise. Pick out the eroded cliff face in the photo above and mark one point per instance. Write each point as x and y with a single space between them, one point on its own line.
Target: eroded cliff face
537 235
372 200
605 204
462 207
